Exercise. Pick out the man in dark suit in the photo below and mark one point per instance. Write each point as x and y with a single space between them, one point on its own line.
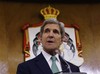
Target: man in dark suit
51 36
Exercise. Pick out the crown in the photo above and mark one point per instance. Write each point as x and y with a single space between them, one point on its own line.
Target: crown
50 12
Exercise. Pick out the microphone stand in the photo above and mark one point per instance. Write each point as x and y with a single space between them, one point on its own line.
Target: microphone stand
60 72
68 66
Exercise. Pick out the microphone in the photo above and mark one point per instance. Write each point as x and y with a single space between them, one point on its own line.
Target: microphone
66 64
60 72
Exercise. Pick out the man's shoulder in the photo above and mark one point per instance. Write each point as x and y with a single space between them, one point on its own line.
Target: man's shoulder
67 62
26 62
73 67
71 64
32 60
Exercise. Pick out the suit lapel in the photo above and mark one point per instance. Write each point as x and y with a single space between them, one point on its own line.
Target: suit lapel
64 65
43 65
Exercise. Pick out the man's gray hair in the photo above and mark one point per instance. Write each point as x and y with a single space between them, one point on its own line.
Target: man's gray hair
53 21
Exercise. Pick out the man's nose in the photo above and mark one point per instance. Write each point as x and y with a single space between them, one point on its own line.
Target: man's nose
51 34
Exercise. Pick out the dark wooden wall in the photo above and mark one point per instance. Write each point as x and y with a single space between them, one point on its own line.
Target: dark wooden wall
13 16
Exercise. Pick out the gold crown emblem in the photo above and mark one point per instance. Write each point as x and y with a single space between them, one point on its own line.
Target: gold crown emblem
50 12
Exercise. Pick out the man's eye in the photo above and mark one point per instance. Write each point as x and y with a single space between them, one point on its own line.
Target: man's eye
56 31
46 30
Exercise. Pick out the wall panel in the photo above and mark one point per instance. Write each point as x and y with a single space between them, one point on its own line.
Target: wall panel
13 16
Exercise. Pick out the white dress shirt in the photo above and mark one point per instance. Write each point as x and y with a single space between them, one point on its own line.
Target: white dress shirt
48 59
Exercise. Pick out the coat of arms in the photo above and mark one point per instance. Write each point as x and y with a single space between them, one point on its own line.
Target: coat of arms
71 47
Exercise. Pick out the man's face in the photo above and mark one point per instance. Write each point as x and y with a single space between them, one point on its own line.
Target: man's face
51 38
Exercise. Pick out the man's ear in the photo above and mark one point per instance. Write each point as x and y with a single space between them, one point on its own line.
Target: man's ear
40 38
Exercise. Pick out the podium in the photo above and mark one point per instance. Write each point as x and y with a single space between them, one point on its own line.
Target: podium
71 73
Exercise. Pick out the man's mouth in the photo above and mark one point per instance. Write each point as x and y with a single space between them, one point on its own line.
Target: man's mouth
50 41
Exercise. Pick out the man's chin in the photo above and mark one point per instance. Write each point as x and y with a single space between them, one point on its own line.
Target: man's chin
51 48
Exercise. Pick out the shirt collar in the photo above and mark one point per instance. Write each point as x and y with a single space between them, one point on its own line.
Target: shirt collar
48 56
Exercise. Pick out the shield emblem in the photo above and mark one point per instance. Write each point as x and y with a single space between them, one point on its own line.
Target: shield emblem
70 49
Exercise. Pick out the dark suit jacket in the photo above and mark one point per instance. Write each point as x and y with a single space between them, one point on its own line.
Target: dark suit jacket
39 65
